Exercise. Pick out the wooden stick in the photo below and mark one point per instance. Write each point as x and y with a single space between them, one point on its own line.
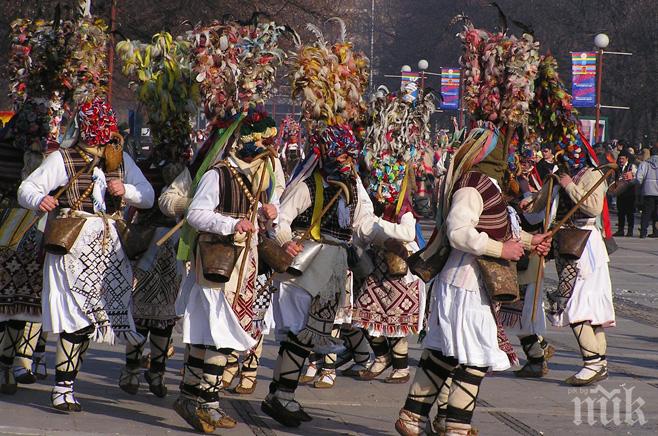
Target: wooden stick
252 218
575 208
58 194
540 267
180 224
171 232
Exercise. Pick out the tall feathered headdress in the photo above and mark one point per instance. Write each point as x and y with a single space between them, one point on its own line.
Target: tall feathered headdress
398 132
162 71
236 63
329 78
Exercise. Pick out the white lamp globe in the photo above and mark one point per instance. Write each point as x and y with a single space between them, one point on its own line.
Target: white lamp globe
423 64
601 40
405 69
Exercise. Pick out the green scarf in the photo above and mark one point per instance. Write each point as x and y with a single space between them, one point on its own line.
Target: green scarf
187 241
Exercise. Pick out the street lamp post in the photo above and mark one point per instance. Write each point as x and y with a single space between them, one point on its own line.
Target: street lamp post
423 65
601 42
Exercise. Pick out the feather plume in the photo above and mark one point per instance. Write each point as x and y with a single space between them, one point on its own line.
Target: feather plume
343 29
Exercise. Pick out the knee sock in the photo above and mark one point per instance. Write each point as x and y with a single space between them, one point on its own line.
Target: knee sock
532 348
400 352
160 340
433 370
358 345
71 348
292 355
382 350
134 352
587 341
253 359
599 332
12 336
26 347
193 373
231 369
442 404
463 393
213 369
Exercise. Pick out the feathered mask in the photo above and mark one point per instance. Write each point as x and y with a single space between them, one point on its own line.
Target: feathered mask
97 122
398 132
330 78
236 64
163 74
56 64
499 75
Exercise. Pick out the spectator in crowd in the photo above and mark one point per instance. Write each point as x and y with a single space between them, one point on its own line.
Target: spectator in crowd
626 197
645 154
547 163
616 148
647 178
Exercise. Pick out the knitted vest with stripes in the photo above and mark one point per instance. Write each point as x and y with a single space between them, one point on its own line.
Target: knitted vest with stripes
494 219
233 201
565 203
329 225
74 162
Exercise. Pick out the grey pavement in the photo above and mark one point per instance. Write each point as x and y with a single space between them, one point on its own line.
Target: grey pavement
626 403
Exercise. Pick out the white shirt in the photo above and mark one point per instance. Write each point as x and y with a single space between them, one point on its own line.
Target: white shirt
51 174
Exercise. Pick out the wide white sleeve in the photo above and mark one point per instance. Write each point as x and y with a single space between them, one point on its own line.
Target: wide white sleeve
176 197
463 216
51 174
201 213
139 192
295 201
593 205
372 229
280 177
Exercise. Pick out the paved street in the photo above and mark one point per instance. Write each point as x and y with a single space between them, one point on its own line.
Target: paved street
508 405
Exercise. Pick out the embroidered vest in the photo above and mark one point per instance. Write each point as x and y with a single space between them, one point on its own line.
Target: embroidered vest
233 201
494 219
329 223
73 163
565 203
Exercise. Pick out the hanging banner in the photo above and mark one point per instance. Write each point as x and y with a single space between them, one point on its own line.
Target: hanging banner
409 86
450 88
583 78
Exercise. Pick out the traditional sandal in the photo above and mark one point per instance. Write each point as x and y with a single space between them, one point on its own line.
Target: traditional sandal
249 378
532 370
8 383
597 375
310 373
398 376
62 399
413 424
355 370
156 383
370 374
326 380
129 380
186 409
212 414
24 376
274 408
